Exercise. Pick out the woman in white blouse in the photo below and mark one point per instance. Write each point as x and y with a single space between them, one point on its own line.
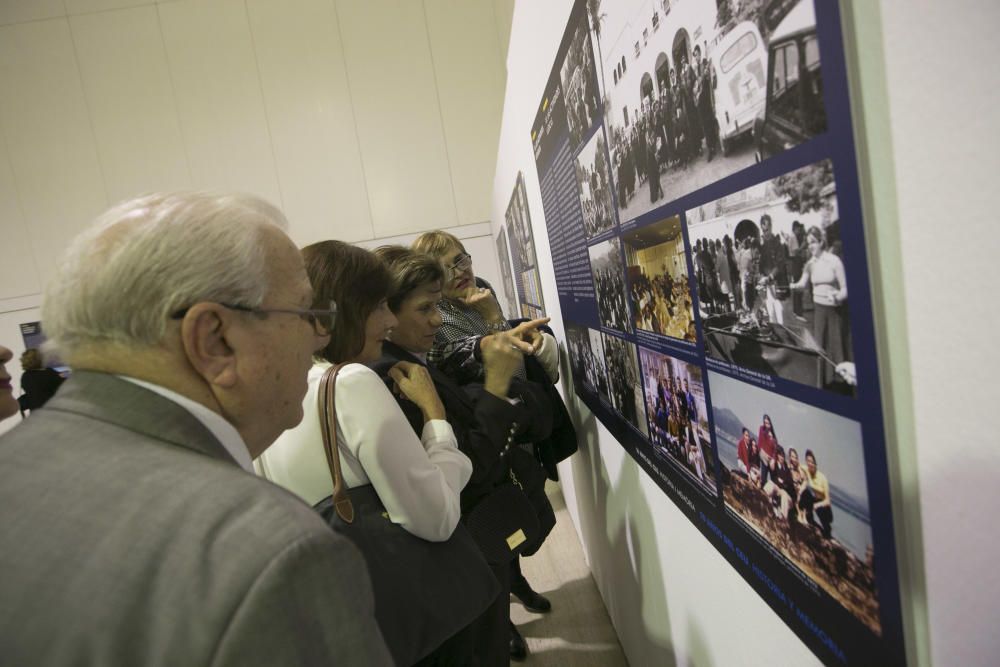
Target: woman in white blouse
417 479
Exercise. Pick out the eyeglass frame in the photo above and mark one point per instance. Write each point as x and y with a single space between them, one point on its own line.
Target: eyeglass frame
465 258
310 315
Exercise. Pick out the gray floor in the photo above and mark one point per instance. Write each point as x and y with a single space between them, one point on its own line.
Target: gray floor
577 631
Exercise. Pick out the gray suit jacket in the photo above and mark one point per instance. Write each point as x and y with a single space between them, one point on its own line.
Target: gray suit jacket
129 536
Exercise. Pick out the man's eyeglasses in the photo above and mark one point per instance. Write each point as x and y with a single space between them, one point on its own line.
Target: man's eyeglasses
322 320
462 262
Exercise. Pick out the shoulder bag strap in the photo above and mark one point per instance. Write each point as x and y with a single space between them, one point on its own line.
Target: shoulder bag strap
328 424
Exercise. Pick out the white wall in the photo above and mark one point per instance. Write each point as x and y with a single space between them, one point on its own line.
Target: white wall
927 127
361 120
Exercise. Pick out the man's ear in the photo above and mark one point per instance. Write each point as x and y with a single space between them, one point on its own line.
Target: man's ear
204 332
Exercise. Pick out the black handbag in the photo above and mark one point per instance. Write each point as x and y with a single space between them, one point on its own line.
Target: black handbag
424 592
504 523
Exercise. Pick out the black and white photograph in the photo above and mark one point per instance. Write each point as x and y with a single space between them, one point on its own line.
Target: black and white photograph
658 280
609 284
795 474
697 90
522 249
503 258
578 76
772 287
594 187
624 383
586 361
677 417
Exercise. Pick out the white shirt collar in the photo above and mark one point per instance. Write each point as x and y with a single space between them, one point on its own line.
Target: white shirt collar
223 431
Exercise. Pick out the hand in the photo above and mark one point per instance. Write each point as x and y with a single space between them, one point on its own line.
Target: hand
501 359
846 370
527 332
483 302
415 383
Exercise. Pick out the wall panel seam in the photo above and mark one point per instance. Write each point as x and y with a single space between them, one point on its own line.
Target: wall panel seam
263 104
444 129
354 120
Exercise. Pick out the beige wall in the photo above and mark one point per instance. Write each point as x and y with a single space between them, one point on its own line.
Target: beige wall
362 119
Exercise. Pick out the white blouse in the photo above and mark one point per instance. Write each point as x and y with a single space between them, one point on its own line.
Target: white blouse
418 480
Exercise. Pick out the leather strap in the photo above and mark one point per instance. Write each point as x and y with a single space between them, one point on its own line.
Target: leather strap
328 425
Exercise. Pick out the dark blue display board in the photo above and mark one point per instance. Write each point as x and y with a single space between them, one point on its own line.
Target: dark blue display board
699 182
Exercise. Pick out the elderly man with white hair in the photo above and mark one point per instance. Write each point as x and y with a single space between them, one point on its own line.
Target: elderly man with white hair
134 531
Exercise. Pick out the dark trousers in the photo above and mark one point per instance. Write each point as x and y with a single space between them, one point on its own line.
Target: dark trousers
825 515
486 641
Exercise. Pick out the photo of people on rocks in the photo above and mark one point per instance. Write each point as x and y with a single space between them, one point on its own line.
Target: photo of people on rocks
772 288
677 417
696 90
795 474
658 280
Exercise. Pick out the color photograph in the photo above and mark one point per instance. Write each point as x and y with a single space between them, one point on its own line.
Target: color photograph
795 474
676 416
658 280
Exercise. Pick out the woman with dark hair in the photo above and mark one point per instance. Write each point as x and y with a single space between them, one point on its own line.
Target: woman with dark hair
417 478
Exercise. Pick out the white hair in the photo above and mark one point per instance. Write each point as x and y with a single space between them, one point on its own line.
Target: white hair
147 258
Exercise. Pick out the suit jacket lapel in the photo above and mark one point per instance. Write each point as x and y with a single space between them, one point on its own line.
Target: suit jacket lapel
110 399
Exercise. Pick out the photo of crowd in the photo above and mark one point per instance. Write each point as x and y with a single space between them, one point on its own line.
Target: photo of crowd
522 246
578 76
658 280
772 287
795 474
686 81
624 386
586 357
594 187
503 258
677 417
609 284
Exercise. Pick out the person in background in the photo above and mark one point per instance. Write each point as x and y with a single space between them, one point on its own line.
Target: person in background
780 488
38 383
418 477
8 404
815 497
135 532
